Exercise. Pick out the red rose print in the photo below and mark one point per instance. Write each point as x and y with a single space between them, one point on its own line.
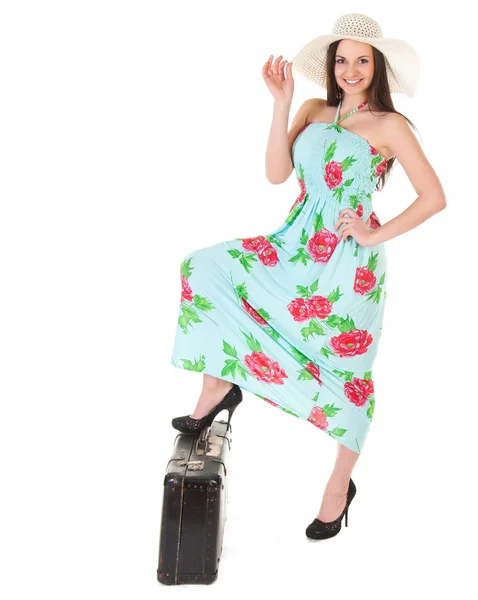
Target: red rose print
319 306
359 210
374 221
267 254
254 243
301 197
272 402
264 368
318 418
365 280
372 150
186 292
253 312
380 168
358 390
333 174
299 309
314 371
351 343
322 244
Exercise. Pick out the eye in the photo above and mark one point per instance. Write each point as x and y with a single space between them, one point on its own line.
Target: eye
341 59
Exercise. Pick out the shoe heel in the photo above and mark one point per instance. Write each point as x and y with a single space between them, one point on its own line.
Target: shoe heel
231 411
347 517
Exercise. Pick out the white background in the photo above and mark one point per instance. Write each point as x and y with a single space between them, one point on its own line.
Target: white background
131 134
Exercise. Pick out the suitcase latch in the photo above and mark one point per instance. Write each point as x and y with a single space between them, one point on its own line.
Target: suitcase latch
193 465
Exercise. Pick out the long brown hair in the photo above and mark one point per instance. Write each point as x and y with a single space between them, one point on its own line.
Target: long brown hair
379 96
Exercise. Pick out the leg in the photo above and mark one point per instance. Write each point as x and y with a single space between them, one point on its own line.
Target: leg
213 391
335 495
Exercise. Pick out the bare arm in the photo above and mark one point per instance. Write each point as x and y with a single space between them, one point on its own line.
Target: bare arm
431 197
279 163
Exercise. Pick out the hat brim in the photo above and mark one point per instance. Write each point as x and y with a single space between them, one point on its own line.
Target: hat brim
402 61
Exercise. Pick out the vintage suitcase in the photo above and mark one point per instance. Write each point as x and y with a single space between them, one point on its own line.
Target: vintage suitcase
194 506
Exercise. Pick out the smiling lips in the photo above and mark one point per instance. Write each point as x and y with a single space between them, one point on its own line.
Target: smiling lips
352 82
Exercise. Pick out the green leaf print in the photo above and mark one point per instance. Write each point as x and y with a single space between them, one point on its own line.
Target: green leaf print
246 261
302 256
190 313
302 358
202 303
272 332
375 294
372 261
189 316
334 126
315 286
371 408
303 237
346 375
337 431
291 217
228 349
346 164
303 291
241 290
330 410
304 375
354 201
338 193
253 344
346 325
335 295
263 313
326 351
234 252
329 153
333 321
318 225
198 365
230 368
275 240
242 371
288 411
186 269
314 327
233 365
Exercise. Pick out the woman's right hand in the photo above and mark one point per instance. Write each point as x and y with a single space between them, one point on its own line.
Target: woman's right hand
273 73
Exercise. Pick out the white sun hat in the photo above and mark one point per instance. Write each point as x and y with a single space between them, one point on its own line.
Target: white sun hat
402 62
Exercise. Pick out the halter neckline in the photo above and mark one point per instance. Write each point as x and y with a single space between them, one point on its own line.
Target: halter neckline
350 111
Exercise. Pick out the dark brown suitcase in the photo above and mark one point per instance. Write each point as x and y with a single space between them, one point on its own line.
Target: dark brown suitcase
194 506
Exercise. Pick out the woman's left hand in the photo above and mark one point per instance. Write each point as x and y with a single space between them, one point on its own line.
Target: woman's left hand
353 226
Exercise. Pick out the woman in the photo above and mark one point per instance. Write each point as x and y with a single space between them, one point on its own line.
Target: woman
295 316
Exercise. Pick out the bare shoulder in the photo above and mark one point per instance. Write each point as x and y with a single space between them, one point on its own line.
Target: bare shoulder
387 124
317 105
396 132
301 119
405 146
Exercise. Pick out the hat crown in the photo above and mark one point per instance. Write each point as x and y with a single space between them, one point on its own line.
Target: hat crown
358 25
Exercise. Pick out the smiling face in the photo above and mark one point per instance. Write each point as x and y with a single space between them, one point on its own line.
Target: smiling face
354 61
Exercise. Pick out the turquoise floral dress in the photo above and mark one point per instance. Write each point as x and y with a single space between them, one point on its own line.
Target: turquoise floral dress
295 316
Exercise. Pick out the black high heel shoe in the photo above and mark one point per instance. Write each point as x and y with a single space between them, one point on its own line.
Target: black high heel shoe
319 530
231 401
